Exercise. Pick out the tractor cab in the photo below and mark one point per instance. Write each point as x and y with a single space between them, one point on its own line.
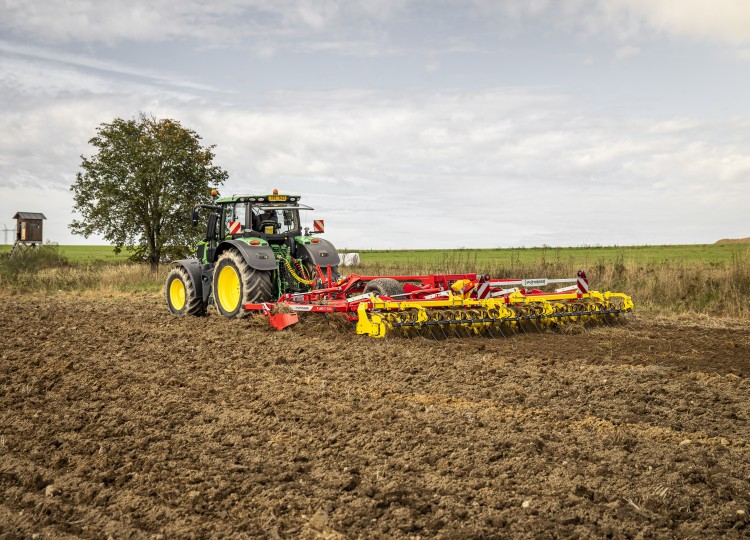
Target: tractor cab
274 218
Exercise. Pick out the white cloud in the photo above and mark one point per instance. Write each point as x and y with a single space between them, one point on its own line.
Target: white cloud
117 20
627 51
219 22
387 168
673 125
365 28
722 21
391 170
23 78
717 20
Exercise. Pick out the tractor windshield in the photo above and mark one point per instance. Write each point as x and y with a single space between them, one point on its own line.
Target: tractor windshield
275 220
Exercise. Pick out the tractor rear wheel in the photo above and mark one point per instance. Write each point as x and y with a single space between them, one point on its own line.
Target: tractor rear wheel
235 284
384 287
181 293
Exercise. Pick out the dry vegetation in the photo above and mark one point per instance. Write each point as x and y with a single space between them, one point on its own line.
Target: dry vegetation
734 241
666 287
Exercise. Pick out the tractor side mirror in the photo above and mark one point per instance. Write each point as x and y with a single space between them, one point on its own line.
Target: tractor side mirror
194 219
288 218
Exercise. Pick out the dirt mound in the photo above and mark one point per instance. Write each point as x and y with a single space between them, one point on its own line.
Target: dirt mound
119 419
734 241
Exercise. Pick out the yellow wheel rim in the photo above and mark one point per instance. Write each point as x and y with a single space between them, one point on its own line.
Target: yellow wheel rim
228 289
177 294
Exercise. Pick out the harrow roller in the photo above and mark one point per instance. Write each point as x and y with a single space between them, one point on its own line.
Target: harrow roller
492 319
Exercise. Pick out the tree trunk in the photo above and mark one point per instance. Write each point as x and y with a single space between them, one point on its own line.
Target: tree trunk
154 253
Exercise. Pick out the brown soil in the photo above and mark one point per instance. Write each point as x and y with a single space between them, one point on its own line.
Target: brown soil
119 419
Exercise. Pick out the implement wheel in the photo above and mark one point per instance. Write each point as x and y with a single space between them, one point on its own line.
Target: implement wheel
182 298
235 284
384 287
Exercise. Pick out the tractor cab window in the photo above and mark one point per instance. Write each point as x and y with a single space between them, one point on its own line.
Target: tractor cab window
271 220
235 218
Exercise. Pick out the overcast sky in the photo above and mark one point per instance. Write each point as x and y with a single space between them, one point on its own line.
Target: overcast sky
406 124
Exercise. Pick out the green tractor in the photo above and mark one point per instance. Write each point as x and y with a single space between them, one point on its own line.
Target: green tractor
254 251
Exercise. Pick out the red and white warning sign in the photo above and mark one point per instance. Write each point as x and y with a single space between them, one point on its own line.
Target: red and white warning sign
318 225
483 290
234 227
583 282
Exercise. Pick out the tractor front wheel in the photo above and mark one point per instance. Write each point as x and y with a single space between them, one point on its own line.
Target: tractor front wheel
235 284
182 296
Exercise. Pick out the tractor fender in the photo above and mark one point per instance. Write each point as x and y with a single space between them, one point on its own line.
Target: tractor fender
194 268
323 253
259 257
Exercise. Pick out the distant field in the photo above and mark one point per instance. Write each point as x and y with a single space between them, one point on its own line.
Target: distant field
86 254
712 279
583 256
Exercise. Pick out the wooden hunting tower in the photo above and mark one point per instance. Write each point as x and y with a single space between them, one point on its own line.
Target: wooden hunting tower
29 227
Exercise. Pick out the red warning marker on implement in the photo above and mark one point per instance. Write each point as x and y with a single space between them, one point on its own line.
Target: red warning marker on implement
318 225
583 282
483 290
234 227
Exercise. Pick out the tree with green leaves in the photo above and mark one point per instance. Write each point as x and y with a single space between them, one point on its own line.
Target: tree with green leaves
139 187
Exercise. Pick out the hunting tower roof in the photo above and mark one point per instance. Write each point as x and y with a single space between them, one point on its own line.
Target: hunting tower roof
29 215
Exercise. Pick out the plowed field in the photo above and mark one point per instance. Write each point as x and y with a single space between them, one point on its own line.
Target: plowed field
117 419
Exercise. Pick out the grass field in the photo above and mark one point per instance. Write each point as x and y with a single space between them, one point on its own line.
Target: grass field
582 256
86 254
711 279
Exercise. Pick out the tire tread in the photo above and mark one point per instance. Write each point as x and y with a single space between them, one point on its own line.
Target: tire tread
195 305
385 286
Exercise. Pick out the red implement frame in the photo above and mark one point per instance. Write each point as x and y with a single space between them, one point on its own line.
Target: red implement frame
345 296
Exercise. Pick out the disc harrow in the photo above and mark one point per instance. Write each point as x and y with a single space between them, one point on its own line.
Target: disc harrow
492 318
458 305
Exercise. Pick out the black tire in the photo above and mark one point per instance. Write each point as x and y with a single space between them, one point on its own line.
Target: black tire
181 294
384 287
235 284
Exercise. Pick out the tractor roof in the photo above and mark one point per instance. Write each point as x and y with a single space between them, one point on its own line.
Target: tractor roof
264 197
